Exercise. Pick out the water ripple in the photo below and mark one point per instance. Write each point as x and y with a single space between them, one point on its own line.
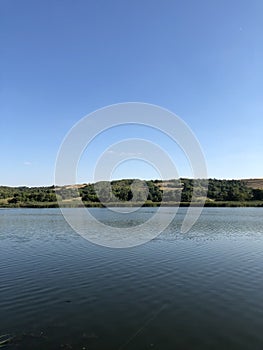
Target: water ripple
199 290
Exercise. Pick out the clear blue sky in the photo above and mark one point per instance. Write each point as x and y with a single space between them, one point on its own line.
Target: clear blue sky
61 60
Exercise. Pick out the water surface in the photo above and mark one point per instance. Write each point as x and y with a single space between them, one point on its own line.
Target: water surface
200 290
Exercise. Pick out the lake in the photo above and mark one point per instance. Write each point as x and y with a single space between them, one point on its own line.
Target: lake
199 290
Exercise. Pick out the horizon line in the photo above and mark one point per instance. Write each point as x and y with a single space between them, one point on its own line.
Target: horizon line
120 179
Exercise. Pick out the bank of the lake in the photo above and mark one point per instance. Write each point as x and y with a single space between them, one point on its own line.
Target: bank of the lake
77 204
135 192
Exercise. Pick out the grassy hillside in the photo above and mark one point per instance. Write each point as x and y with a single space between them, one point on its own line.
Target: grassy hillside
254 183
248 192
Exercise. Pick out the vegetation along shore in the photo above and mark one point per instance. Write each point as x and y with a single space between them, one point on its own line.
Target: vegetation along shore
221 193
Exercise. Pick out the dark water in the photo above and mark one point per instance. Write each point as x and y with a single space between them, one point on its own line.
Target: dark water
200 290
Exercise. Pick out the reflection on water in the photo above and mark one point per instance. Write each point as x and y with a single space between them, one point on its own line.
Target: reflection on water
200 290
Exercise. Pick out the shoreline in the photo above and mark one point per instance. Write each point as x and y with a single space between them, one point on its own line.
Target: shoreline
223 204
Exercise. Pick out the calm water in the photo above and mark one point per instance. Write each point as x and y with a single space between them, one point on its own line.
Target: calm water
200 290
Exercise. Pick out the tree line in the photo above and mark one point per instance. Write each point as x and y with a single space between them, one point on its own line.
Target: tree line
150 191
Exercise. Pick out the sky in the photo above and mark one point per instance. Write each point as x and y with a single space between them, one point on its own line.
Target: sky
61 60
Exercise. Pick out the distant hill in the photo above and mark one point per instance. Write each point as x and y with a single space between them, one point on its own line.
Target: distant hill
246 192
254 183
